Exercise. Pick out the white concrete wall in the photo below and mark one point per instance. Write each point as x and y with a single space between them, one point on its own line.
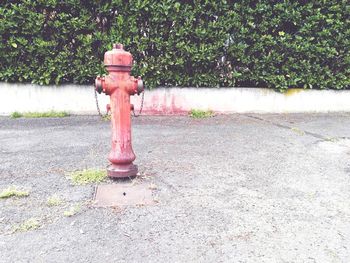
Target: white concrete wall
78 99
28 97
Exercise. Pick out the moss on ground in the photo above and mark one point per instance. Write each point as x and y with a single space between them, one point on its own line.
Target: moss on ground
200 114
48 114
27 225
72 210
12 191
88 176
54 200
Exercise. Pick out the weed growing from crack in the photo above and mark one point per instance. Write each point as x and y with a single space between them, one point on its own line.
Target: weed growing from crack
298 131
331 139
12 191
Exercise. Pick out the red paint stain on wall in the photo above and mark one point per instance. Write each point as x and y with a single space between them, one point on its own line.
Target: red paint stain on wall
163 104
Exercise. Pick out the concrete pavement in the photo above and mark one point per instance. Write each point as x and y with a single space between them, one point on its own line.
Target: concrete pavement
232 188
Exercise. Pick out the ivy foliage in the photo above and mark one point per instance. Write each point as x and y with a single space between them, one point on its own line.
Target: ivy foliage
266 43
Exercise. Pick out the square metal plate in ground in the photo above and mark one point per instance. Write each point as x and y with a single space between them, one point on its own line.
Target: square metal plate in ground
123 195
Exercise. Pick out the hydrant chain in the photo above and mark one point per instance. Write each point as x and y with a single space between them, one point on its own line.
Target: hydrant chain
98 107
141 106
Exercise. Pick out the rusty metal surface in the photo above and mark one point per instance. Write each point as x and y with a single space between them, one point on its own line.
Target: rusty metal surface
110 195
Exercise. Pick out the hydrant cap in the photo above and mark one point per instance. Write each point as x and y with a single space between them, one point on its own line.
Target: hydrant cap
118 57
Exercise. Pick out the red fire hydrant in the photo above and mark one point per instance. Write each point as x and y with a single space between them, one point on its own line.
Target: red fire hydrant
119 85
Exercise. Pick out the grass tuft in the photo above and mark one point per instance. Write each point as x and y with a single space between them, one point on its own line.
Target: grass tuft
88 176
106 118
54 200
27 225
16 114
12 191
48 114
200 114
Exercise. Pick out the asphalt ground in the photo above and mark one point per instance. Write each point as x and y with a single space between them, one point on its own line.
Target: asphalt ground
231 188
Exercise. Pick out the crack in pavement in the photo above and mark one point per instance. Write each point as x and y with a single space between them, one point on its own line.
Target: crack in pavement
315 135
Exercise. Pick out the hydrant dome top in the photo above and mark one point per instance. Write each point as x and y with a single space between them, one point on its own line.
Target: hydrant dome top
118 57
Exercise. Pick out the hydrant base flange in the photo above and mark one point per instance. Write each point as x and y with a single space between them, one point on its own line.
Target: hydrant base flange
122 171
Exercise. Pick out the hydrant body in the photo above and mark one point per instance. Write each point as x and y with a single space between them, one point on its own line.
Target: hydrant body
119 85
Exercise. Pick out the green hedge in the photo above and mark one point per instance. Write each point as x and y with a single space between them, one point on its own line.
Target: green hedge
276 44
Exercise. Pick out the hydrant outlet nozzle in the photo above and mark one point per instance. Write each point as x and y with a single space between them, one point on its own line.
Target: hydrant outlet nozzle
140 85
98 84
